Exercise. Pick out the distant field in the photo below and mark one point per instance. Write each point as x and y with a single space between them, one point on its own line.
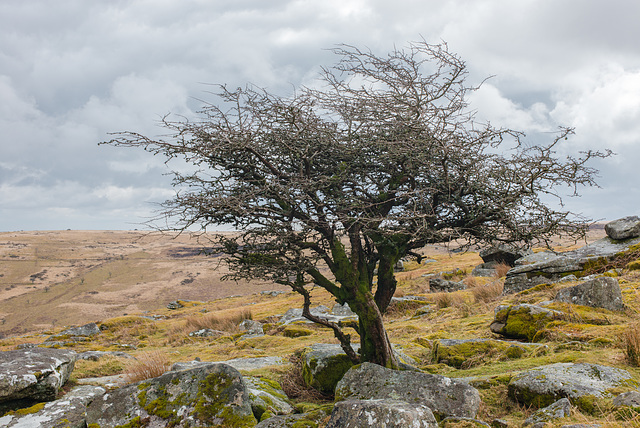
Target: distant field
72 277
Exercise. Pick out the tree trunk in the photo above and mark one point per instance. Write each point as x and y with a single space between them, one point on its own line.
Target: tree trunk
374 342
386 283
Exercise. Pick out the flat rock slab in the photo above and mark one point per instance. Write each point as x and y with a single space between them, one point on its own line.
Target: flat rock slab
212 395
34 373
543 267
545 385
381 414
68 411
245 364
443 395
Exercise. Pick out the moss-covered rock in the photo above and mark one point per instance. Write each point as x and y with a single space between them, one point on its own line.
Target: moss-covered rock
583 384
323 365
523 321
465 353
213 395
295 330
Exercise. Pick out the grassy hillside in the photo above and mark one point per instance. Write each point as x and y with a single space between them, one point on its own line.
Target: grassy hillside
135 274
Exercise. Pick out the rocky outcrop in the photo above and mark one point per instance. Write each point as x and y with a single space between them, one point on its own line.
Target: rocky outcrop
324 364
603 292
68 411
523 321
444 396
582 384
468 352
34 373
557 410
547 267
623 228
382 413
211 395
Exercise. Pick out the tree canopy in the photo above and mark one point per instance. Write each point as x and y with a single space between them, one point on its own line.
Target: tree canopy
330 186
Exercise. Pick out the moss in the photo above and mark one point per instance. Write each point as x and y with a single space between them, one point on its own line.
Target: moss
93 426
523 324
634 265
30 410
296 331
592 405
133 423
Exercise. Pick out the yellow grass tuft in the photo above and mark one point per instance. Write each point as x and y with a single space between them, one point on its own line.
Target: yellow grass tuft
632 344
147 365
501 270
225 322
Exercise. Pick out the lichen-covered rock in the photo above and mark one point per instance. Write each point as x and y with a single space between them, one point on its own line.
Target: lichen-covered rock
252 328
603 292
237 363
631 399
68 411
34 373
580 383
444 285
523 321
267 396
623 228
382 413
213 395
444 396
557 410
338 314
544 267
457 352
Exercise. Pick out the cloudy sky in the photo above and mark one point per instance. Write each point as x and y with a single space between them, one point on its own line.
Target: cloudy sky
71 71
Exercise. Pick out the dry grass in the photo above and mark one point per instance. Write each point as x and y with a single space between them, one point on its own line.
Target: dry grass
501 270
147 365
632 344
488 293
225 322
294 386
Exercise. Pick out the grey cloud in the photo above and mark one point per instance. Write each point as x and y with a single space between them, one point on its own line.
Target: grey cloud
72 71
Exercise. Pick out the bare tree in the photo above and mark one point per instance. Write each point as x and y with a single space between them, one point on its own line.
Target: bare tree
379 159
